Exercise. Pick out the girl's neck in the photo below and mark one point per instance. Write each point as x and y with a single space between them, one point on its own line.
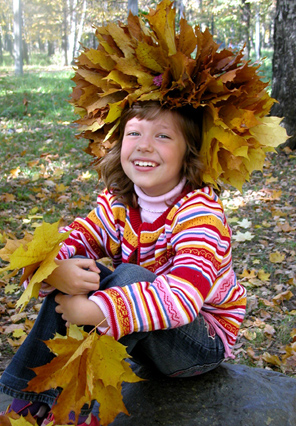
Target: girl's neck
153 207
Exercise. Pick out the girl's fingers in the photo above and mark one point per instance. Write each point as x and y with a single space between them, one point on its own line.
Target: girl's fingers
88 264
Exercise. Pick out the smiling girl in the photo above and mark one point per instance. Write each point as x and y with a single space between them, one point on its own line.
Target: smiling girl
173 298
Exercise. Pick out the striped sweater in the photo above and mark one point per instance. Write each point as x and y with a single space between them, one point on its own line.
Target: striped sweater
189 249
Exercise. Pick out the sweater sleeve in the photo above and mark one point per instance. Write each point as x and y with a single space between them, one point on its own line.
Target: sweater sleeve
199 274
95 236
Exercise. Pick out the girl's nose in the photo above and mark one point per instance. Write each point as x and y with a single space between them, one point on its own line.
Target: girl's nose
145 144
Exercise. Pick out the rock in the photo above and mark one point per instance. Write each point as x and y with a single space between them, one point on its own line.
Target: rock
231 395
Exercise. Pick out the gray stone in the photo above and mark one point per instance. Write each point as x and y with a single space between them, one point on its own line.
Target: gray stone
231 395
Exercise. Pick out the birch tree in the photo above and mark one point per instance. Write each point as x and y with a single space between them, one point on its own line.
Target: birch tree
17 31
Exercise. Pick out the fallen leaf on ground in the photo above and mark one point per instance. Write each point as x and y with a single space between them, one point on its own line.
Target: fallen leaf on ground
243 236
276 257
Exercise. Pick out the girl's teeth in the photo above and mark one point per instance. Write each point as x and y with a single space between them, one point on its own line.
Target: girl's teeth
144 164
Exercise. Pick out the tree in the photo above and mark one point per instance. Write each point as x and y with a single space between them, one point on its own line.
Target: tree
245 27
283 67
132 6
17 31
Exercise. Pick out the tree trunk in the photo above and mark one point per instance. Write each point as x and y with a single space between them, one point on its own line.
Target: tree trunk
72 25
50 48
257 33
283 67
246 14
17 32
1 50
132 6
65 29
80 29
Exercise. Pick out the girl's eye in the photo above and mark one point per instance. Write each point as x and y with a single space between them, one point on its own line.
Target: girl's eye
132 133
163 136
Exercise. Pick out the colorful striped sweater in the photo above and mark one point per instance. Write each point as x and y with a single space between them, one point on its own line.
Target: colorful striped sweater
189 249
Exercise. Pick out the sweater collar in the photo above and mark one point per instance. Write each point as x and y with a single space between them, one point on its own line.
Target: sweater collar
153 207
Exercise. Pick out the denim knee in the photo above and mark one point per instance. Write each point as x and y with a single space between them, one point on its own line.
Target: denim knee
127 274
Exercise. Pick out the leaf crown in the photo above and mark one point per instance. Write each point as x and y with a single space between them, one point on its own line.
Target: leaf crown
146 60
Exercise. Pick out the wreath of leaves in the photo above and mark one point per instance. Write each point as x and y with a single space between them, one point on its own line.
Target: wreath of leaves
147 60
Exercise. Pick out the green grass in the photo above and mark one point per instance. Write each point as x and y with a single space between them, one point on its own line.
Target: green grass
37 60
40 152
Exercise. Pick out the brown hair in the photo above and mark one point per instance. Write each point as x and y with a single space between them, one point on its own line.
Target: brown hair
189 119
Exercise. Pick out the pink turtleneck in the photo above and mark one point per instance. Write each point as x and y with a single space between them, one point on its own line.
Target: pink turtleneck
153 207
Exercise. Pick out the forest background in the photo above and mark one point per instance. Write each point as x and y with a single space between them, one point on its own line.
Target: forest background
55 29
45 174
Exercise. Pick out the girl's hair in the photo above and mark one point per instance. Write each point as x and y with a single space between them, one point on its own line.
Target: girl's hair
189 120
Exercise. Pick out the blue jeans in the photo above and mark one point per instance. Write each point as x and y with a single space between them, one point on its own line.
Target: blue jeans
185 351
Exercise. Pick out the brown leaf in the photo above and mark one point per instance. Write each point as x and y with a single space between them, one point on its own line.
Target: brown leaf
271 359
285 295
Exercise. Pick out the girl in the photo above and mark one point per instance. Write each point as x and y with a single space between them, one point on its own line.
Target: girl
173 298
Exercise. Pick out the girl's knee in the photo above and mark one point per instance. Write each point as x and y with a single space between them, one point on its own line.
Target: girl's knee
136 272
127 274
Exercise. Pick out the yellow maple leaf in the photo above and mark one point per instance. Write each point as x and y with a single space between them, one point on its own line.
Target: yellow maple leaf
14 419
151 57
87 367
162 22
248 274
271 359
276 257
36 255
18 333
263 276
285 295
270 133
12 245
10 288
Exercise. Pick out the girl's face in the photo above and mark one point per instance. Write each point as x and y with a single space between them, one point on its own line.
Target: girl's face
152 153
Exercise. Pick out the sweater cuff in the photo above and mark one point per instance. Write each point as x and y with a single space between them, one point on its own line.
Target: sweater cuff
116 309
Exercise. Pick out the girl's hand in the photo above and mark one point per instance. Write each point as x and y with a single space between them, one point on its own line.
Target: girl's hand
79 310
75 276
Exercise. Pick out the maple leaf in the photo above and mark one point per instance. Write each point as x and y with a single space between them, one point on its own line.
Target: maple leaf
36 254
14 419
263 276
286 295
87 367
12 245
248 274
245 223
243 236
271 359
276 257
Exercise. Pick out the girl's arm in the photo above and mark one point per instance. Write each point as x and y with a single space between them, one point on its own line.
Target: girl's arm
79 310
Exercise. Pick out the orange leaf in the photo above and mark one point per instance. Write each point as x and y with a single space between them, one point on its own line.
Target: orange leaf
87 367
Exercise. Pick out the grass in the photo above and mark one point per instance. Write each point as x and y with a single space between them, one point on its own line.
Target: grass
39 148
